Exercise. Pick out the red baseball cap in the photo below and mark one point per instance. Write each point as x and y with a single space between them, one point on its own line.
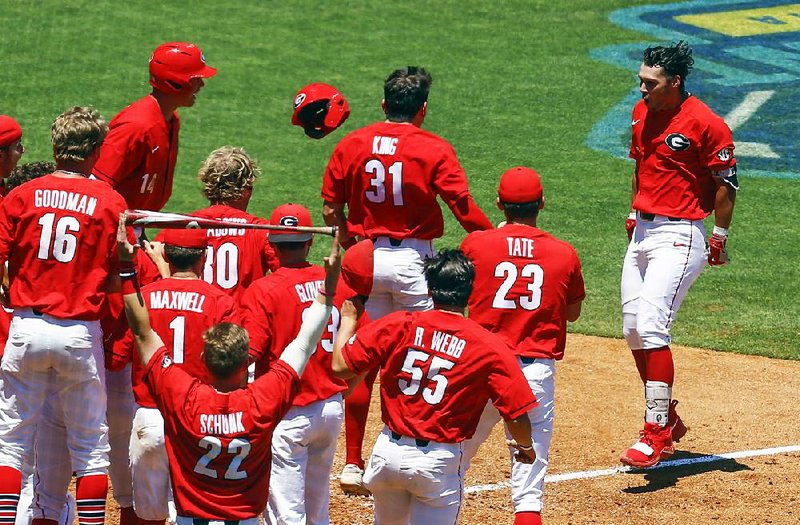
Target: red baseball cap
357 267
519 185
290 214
10 131
186 238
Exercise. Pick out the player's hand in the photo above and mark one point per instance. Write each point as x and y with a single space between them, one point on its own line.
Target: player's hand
333 265
717 256
155 250
352 308
630 224
125 249
522 454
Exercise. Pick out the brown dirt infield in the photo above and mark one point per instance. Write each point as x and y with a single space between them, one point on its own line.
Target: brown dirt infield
729 402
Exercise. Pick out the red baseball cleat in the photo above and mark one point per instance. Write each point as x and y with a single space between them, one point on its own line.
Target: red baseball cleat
675 423
655 444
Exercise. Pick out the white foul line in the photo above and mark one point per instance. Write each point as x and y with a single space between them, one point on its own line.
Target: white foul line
588 474
751 103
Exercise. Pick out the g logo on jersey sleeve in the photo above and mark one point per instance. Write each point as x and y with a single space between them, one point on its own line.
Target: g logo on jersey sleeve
677 142
166 361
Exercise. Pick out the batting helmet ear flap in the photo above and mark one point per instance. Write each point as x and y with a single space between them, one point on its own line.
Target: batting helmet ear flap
315 133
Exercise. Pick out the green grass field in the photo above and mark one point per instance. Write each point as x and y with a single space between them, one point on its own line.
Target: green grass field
514 84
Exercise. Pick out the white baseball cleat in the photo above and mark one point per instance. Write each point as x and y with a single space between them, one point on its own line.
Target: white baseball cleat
352 482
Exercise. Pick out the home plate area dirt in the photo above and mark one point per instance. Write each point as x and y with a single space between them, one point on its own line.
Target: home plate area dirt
733 405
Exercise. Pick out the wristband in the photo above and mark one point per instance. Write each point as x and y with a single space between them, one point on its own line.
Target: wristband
127 273
632 215
520 447
325 293
719 230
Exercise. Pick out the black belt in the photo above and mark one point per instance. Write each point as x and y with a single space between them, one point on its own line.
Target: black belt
652 217
420 442
37 312
203 521
527 360
395 242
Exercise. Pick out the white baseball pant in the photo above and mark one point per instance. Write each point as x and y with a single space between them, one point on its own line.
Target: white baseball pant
66 356
415 481
398 282
527 480
121 408
303 447
663 260
149 465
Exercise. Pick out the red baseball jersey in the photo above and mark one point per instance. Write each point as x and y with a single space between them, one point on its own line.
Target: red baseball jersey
219 444
389 175
438 370
676 152
58 235
236 257
181 310
273 309
524 280
138 155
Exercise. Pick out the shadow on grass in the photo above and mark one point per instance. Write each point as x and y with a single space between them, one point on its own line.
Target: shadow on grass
681 465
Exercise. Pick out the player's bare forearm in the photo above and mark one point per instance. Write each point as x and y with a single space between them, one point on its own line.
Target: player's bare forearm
351 311
147 341
521 439
723 205
333 215
634 184
574 311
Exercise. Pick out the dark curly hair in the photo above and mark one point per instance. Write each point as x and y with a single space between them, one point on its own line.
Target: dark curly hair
449 274
29 171
675 59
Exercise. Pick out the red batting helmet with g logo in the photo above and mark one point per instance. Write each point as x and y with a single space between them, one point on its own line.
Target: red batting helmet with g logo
174 64
319 109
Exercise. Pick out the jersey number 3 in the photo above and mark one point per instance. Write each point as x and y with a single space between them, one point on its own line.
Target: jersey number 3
509 272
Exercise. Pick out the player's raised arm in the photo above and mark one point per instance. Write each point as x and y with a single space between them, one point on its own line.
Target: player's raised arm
147 341
350 313
302 347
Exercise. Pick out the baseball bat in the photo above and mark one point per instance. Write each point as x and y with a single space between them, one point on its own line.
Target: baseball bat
154 219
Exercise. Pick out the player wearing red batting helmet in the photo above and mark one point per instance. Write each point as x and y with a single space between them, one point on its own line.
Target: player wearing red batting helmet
11 148
528 285
319 109
138 157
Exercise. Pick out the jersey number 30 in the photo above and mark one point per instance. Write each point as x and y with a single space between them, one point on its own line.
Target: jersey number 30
533 273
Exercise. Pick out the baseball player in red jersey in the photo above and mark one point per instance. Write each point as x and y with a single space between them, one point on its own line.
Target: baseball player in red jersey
389 175
11 148
236 257
219 435
304 442
182 307
438 370
528 284
138 157
685 169
57 234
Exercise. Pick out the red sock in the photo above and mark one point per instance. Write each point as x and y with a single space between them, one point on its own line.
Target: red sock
43 521
528 518
641 363
90 497
10 487
660 366
127 516
356 410
151 522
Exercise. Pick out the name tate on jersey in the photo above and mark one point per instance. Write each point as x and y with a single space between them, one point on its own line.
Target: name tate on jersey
520 247
65 200
173 300
384 145
308 291
440 342
221 424
228 232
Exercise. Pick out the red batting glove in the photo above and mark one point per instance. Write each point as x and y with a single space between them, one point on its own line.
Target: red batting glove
717 256
630 224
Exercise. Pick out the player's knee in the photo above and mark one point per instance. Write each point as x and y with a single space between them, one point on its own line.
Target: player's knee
630 331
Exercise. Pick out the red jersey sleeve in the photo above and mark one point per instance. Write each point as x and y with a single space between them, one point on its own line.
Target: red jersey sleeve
123 149
450 183
9 211
508 387
371 344
256 318
718 145
334 188
169 385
